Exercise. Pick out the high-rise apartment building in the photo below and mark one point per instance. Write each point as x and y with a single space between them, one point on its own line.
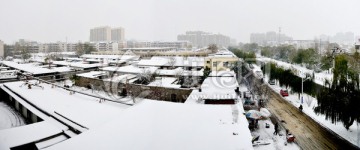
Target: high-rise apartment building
269 38
117 34
100 34
202 39
107 34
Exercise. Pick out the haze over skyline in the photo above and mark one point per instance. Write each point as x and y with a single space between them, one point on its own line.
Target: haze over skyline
163 20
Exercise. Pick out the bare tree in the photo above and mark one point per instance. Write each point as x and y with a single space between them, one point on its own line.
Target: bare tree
213 48
136 92
172 61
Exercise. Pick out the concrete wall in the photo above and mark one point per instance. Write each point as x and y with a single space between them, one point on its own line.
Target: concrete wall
144 91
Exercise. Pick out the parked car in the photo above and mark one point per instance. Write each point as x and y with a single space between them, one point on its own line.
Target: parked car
284 93
272 82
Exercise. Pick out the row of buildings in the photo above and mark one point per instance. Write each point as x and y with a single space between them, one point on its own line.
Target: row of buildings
203 39
36 47
105 38
269 38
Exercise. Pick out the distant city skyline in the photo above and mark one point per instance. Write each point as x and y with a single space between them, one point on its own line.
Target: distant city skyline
163 20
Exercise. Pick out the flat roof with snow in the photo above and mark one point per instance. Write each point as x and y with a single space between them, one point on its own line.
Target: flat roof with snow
173 61
214 88
129 69
18 136
119 57
168 82
92 74
78 64
29 67
82 109
164 125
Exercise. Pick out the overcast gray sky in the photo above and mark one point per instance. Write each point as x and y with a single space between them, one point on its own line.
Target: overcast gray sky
54 20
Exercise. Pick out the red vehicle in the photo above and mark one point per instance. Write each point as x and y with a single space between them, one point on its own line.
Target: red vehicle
284 93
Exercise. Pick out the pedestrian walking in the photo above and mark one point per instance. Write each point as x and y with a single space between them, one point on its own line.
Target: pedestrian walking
276 127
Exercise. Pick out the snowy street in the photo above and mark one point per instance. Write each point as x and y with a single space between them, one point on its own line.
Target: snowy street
309 134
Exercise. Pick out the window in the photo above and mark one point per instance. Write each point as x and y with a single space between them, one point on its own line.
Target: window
226 64
214 64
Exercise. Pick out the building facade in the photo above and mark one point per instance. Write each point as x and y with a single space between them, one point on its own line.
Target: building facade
269 38
100 34
224 60
106 46
158 44
203 39
107 34
117 34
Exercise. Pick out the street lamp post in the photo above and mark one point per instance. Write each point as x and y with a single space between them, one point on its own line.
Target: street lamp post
302 89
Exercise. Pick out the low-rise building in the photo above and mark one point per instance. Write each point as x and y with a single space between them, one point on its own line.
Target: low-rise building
223 60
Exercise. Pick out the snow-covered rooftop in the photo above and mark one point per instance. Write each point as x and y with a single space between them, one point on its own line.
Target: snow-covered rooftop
118 57
173 61
18 136
28 67
92 74
165 82
121 78
82 109
129 69
78 64
164 125
215 88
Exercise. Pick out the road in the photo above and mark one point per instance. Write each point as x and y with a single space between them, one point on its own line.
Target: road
309 134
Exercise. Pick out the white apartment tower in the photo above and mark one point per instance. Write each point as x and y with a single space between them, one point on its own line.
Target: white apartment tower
117 34
100 34
107 34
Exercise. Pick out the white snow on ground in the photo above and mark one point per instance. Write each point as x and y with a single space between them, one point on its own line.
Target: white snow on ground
309 104
277 142
300 71
9 118
164 125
